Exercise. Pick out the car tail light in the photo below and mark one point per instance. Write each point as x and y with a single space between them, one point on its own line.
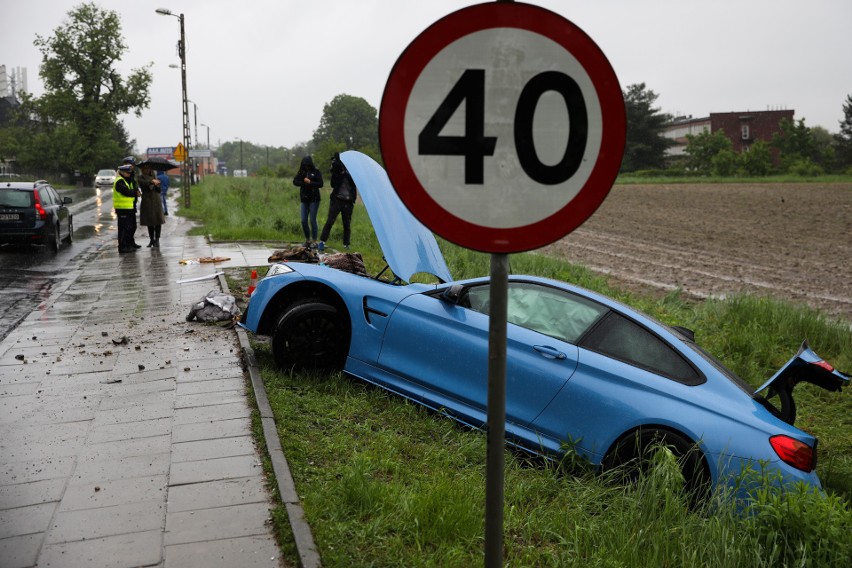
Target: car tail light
824 365
42 214
794 452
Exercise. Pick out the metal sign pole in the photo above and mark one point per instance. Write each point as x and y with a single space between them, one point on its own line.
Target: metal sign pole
496 410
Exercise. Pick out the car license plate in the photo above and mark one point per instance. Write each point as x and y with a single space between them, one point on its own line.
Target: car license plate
9 217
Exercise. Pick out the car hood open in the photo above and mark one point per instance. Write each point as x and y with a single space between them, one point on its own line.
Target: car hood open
408 246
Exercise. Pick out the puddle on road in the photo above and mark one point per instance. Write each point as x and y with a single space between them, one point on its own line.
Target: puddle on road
87 231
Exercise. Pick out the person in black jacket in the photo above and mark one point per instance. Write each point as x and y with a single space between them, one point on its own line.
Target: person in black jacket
309 179
123 197
342 200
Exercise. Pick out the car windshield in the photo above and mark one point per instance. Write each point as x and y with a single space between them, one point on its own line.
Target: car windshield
106 173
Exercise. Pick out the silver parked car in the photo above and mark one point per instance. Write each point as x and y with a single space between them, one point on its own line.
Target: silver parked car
105 178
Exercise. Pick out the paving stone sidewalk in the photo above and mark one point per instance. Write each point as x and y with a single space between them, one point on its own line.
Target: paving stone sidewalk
125 435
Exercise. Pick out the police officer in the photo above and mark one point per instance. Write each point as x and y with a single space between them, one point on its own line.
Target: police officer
131 161
123 199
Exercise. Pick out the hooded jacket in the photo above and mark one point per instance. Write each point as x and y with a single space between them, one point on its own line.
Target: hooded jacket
309 192
338 174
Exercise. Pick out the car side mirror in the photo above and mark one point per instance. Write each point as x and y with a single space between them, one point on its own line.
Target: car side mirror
452 294
66 200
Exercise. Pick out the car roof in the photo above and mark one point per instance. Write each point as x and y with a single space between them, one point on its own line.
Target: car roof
18 185
409 247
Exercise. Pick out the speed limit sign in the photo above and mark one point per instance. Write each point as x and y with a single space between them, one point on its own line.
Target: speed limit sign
502 127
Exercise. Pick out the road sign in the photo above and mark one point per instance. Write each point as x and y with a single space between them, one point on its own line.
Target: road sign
502 127
160 152
180 153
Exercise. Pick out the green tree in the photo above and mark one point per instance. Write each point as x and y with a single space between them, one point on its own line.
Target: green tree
702 148
645 146
349 121
824 153
758 160
794 143
725 163
843 139
83 88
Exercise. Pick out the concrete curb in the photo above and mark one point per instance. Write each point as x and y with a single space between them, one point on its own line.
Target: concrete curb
302 535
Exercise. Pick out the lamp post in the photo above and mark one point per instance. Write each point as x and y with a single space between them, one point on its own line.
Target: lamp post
192 161
241 156
185 171
210 154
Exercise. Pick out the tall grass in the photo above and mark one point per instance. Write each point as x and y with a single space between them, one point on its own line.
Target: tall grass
385 482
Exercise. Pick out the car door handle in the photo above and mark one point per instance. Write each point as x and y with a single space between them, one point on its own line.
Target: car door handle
549 352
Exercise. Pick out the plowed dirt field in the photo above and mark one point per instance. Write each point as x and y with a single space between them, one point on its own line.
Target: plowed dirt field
789 241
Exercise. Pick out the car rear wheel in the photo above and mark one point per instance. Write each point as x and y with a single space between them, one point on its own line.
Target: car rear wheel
310 336
70 236
55 242
633 455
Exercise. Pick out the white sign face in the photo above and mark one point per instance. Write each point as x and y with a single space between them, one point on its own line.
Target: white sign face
502 127
511 59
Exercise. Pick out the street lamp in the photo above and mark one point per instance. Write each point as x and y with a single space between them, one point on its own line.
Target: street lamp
210 154
184 181
195 120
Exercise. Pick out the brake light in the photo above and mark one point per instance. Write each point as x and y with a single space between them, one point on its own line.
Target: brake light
824 365
42 214
793 452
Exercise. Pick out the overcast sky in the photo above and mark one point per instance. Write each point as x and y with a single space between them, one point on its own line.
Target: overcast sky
261 70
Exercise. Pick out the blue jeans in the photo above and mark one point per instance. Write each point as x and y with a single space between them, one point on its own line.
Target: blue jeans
163 193
309 213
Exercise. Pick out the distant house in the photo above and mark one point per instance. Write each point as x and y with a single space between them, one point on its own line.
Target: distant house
742 128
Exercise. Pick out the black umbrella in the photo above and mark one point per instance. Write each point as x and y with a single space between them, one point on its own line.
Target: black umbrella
159 164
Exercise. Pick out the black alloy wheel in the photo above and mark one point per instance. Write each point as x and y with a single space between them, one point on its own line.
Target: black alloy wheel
310 335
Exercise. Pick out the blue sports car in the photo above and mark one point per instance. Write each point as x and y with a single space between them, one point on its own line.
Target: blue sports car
582 370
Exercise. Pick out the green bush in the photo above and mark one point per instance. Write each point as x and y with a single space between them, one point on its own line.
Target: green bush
804 167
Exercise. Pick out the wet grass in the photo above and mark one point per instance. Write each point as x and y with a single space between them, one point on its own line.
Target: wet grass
385 482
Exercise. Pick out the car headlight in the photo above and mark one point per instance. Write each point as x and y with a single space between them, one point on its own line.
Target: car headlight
279 268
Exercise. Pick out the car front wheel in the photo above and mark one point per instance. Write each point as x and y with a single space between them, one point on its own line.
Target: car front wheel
310 336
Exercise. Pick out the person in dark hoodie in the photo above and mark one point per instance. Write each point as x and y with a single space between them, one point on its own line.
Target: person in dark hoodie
309 180
342 201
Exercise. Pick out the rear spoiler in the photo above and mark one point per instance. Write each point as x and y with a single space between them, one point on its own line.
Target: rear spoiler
805 366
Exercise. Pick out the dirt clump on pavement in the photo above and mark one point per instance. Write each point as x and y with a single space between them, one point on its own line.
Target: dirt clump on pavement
788 241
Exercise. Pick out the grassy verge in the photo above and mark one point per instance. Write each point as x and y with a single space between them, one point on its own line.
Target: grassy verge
386 483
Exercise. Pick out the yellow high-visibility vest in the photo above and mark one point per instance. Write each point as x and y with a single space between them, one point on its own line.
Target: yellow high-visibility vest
120 201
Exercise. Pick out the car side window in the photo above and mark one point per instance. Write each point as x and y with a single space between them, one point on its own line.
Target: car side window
625 340
46 196
544 309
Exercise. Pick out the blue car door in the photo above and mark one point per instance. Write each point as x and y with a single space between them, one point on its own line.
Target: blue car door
439 350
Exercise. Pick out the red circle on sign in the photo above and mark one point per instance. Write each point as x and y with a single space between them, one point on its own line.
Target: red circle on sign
398 90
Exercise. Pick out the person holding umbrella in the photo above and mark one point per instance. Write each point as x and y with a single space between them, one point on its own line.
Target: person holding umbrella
151 209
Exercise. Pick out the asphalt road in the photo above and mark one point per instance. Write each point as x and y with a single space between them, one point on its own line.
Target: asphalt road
29 273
